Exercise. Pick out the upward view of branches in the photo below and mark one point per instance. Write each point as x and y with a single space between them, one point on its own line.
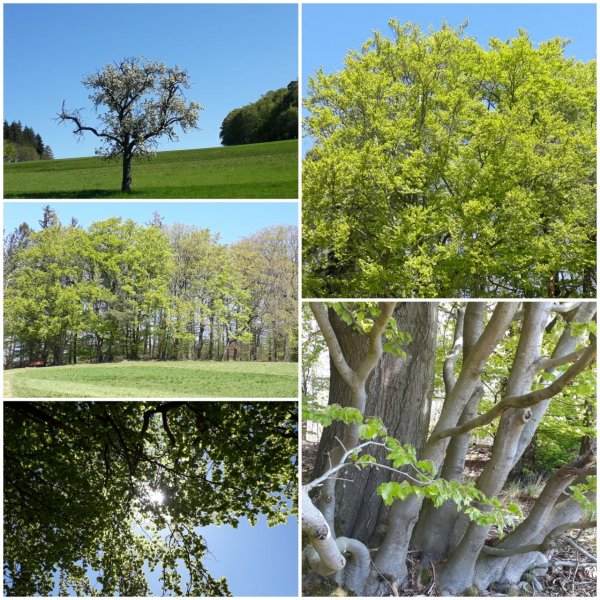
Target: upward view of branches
98 495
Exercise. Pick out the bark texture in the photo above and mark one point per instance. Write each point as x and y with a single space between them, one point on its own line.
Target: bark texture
399 392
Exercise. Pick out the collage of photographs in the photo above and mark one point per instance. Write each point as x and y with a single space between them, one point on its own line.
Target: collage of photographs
299 299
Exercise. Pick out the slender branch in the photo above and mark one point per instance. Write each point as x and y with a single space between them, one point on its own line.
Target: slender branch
375 340
341 464
577 547
523 401
544 546
335 351
551 363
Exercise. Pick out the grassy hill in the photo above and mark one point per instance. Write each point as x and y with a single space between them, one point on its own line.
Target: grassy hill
268 170
180 379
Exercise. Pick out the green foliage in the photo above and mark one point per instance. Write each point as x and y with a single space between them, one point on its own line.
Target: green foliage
78 478
268 170
581 493
273 117
442 168
123 290
420 474
362 315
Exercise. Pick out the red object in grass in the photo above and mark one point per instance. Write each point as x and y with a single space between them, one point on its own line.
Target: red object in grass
37 363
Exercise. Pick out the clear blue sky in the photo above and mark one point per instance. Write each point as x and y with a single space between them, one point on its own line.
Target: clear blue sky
234 53
257 561
233 220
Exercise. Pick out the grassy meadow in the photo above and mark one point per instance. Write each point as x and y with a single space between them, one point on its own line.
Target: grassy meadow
177 379
268 170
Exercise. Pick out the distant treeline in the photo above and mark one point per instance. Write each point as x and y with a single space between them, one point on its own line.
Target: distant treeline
274 117
121 290
23 143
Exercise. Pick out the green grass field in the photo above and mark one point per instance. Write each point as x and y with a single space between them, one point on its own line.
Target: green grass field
268 170
181 379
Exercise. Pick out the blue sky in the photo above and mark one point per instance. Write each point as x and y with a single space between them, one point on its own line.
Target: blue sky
233 220
257 561
330 30
234 53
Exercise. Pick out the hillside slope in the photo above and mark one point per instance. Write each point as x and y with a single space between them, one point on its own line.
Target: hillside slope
268 170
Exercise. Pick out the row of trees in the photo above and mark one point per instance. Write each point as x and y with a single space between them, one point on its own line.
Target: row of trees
124 290
502 369
274 117
442 168
22 143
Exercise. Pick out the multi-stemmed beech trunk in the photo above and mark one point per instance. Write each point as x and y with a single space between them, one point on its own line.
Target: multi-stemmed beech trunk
365 546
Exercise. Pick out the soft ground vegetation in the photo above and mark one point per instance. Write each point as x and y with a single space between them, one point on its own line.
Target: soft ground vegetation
108 498
268 170
434 413
182 379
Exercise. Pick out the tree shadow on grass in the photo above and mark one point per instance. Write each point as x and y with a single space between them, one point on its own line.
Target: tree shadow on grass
94 193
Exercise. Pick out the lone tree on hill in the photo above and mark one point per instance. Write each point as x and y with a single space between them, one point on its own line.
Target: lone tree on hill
144 101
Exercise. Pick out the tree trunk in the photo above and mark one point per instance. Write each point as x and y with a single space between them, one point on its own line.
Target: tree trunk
399 392
126 181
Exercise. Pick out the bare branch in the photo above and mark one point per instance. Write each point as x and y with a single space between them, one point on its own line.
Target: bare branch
557 361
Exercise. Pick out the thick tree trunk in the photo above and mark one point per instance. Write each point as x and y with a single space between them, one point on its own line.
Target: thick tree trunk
399 392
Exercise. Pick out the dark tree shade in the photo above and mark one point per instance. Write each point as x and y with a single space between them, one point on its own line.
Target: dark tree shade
112 485
274 117
23 143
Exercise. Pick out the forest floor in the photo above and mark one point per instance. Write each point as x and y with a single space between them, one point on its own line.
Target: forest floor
177 379
268 170
572 573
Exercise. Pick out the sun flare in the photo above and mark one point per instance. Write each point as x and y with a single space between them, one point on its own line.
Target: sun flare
156 497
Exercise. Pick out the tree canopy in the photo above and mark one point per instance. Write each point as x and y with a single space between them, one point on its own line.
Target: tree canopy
121 488
143 101
444 169
124 290
272 118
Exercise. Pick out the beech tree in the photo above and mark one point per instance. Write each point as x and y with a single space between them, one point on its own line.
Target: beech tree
390 473
444 169
120 289
121 488
143 101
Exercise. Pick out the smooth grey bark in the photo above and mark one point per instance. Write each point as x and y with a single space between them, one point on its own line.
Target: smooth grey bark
390 561
356 380
458 571
582 313
432 532
515 410
490 569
